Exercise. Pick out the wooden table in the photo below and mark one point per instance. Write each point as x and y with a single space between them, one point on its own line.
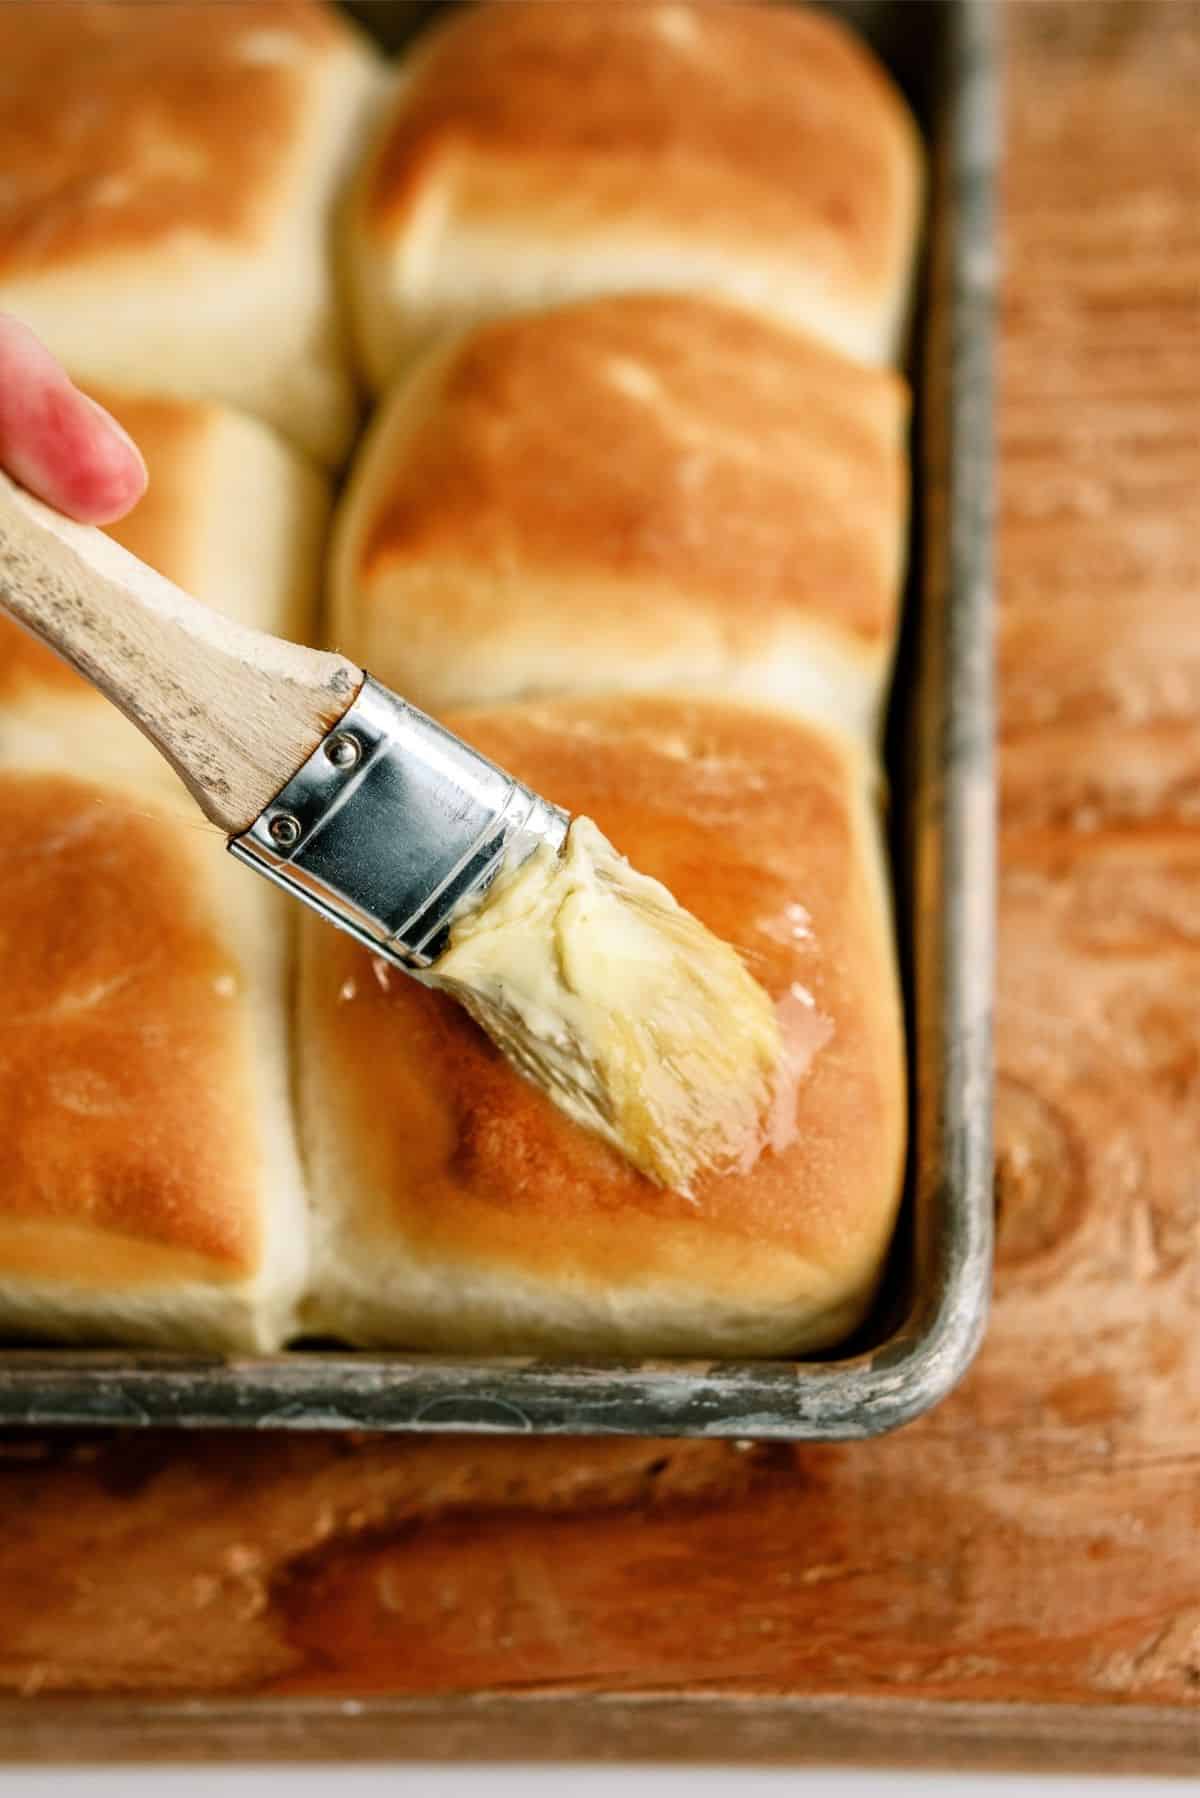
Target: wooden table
1014 1580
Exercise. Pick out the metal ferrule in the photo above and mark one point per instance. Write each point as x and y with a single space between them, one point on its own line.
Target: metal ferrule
392 824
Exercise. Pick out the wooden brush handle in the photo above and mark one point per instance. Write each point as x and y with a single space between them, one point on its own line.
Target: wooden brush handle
233 710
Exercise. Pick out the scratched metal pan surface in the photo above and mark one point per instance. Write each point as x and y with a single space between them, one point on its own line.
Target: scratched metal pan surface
931 1311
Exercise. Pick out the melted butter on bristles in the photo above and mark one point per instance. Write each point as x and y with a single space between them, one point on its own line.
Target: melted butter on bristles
634 1018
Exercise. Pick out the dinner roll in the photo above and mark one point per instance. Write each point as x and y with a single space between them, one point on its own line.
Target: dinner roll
150 1190
168 174
534 153
457 1208
149 1185
633 492
231 514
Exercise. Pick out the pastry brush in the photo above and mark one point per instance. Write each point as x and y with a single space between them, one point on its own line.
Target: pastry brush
588 976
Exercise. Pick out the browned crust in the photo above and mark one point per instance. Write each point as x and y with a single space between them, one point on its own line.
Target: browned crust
741 122
123 1111
642 442
121 123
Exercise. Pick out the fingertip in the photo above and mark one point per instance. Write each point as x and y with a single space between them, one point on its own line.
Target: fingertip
107 480
100 471
57 441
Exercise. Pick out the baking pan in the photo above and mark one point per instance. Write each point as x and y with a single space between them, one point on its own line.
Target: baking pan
930 1314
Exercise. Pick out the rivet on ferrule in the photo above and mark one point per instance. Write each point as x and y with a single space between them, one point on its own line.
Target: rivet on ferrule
391 824
285 830
344 750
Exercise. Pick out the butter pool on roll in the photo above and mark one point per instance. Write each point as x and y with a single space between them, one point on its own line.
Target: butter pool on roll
638 493
456 1207
170 174
536 153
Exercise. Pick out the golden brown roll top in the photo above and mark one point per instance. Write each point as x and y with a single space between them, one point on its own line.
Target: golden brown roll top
231 514
457 1208
169 177
536 153
640 492
149 1184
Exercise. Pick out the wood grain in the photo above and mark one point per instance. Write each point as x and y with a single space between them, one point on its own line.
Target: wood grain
233 710
1016 1578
